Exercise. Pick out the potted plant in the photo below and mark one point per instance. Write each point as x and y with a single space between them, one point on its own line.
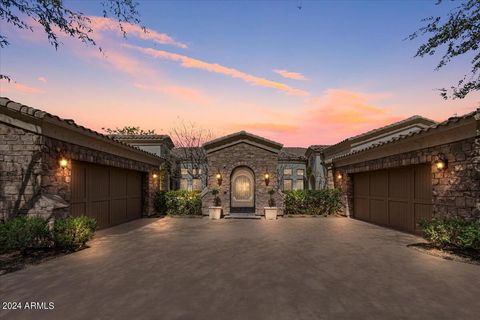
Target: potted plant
215 211
271 210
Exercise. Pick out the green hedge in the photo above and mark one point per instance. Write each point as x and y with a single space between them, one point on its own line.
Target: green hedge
72 233
160 202
453 232
23 234
28 233
313 202
182 202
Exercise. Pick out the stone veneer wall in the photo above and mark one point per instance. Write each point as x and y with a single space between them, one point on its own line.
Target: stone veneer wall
456 190
20 170
31 181
242 154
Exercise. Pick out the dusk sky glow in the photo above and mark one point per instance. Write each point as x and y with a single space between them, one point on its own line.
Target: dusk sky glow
311 76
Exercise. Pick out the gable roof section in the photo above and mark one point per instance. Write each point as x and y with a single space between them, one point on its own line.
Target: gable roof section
42 122
239 137
465 126
416 119
344 146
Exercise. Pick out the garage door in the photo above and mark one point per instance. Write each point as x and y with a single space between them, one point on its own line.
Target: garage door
396 198
110 195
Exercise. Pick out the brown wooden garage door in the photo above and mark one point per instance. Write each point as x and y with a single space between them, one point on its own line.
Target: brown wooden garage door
110 195
396 198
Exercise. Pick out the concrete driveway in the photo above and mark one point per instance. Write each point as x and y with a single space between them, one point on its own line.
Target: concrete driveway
303 268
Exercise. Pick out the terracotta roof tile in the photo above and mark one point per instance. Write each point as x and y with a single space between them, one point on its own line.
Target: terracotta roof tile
447 122
40 114
391 125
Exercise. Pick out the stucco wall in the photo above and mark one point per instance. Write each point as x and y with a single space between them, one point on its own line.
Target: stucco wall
456 190
242 154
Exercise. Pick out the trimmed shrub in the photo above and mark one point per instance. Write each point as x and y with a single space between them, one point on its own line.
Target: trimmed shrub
313 202
24 233
182 202
271 200
160 202
217 202
453 232
72 233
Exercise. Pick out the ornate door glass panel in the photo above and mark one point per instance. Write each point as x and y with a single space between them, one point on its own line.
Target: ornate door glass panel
242 188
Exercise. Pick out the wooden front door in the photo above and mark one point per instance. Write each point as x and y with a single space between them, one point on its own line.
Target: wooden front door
243 190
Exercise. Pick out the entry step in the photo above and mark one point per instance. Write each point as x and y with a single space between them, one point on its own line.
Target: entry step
242 215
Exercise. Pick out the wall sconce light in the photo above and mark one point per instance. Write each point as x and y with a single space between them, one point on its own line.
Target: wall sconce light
218 176
441 164
154 176
266 178
63 162
339 176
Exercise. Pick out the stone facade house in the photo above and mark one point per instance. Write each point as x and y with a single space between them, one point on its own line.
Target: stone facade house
242 167
393 176
430 172
52 167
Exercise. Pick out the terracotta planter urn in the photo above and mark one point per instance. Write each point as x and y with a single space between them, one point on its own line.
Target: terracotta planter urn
215 213
271 213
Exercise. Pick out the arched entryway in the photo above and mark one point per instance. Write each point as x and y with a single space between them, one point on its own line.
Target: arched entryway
242 190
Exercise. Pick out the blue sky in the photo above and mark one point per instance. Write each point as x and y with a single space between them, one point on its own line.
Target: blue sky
357 70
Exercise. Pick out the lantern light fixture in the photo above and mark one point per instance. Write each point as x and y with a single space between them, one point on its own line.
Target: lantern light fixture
218 176
441 164
339 176
266 178
154 176
63 162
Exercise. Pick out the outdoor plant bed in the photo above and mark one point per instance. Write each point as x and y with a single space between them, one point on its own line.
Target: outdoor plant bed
32 240
454 254
313 202
183 203
452 238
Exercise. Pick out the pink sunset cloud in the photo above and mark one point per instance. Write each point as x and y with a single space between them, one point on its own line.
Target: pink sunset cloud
268 127
325 119
188 62
184 93
19 87
42 79
107 24
289 74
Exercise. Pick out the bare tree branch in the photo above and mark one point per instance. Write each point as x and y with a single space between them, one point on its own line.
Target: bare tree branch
189 139
55 18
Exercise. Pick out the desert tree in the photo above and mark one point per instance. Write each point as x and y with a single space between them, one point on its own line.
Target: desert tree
56 18
129 130
457 34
